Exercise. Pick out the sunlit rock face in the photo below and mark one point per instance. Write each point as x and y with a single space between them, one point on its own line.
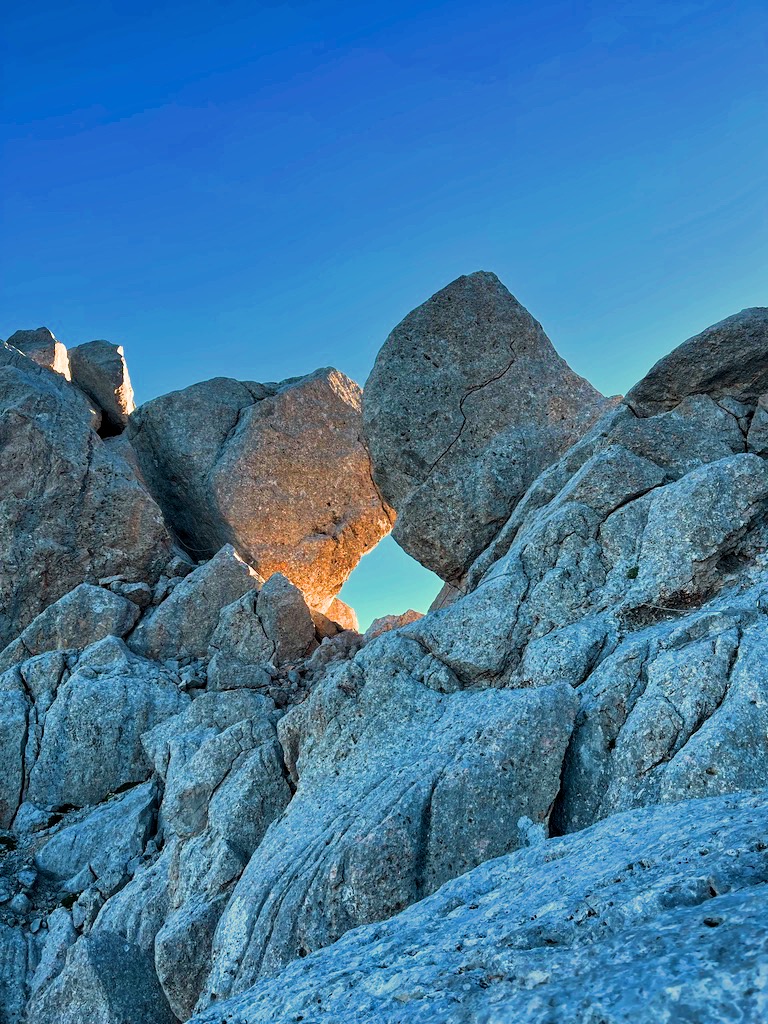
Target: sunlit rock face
467 403
71 509
43 348
100 371
277 470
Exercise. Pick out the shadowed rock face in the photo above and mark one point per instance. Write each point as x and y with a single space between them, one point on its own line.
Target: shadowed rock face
277 470
728 359
71 509
466 404
99 369
43 348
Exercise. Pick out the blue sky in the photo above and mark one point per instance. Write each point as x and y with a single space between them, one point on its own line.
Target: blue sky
255 190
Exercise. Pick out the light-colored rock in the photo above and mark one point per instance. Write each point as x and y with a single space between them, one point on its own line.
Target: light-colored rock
71 511
675 897
61 935
183 624
89 743
729 359
389 622
80 618
391 801
99 369
14 973
105 980
43 348
466 404
278 470
341 613
106 839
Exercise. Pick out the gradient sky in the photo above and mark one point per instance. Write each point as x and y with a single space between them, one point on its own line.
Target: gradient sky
257 189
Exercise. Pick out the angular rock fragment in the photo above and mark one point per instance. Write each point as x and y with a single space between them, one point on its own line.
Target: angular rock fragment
183 624
80 618
466 404
99 369
43 348
389 622
277 470
729 359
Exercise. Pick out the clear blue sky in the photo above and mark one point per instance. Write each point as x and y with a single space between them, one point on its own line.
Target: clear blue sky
257 189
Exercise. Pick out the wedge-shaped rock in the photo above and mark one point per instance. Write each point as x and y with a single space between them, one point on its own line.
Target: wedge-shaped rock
466 404
43 348
673 896
89 742
105 980
277 470
99 369
400 787
273 627
729 359
71 510
183 624
105 840
77 620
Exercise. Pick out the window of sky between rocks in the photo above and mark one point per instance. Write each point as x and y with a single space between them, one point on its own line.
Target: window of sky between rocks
387 581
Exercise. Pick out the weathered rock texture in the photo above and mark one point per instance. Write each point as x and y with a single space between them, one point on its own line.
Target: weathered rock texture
277 470
729 359
215 800
99 369
42 348
656 915
467 403
71 510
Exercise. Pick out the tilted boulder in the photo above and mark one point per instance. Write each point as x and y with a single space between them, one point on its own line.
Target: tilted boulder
277 470
561 931
71 510
729 359
466 404
43 348
99 369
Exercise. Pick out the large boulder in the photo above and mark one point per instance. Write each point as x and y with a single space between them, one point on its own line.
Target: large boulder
99 369
71 509
653 915
466 404
277 470
727 360
43 348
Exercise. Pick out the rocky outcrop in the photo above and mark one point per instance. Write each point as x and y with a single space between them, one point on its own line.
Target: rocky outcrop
728 360
218 798
466 404
100 371
71 510
277 470
561 931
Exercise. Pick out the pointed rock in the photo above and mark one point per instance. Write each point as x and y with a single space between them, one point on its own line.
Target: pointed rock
99 369
466 404
43 348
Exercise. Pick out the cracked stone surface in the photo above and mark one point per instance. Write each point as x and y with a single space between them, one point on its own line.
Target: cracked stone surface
674 896
466 404
277 470
99 369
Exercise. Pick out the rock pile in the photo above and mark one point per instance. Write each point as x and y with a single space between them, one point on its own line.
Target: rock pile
221 803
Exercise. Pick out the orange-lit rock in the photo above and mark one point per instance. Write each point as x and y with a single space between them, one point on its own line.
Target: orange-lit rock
277 470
